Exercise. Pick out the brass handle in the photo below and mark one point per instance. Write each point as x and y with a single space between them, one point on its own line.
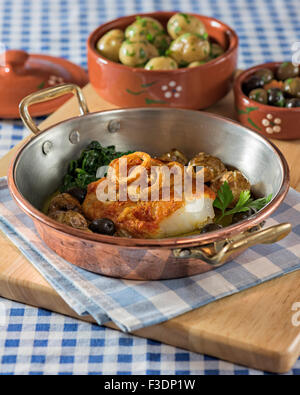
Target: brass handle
49 94
218 253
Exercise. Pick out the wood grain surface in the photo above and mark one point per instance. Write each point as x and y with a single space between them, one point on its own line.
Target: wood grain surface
252 328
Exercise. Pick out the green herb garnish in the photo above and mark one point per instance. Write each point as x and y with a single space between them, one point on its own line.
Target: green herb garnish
142 21
82 172
203 36
150 37
186 17
177 29
130 54
42 85
142 53
245 203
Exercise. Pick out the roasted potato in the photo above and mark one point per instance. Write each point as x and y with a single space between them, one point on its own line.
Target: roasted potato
174 156
212 167
70 218
237 183
64 202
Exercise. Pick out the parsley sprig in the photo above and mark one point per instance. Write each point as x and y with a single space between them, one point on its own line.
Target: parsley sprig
245 202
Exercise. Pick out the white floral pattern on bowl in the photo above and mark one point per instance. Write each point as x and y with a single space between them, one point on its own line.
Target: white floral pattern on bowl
55 80
272 125
171 90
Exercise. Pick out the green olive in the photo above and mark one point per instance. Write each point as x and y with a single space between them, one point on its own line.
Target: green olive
189 48
145 28
216 50
184 23
292 87
161 63
265 74
110 44
287 70
136 54
259 95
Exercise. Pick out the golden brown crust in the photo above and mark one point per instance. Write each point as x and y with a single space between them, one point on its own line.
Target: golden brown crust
139 219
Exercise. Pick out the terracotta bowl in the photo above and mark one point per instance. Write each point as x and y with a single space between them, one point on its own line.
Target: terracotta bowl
270 121
194 88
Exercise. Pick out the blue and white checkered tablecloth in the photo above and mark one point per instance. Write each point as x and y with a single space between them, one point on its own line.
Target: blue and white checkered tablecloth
40 342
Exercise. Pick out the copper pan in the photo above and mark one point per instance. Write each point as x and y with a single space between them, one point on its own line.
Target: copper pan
39 166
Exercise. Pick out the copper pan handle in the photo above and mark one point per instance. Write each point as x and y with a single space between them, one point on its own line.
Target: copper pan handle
216 257
49 94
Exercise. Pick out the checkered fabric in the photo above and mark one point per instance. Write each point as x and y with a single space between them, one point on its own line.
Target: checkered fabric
38 342
133 305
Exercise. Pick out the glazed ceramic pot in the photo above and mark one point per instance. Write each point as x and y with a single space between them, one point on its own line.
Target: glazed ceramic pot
28 73
40 165
194 88
274 122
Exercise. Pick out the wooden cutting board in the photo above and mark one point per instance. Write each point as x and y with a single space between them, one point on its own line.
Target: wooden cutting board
252 328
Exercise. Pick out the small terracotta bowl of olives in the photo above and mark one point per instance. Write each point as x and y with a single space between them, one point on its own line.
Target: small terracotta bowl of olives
163 59
267 99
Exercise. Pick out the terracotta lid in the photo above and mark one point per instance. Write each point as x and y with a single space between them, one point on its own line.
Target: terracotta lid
22 74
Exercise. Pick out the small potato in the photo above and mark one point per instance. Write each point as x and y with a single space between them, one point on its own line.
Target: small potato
161 63
184 23
152 50
109 45
136 54
189 48
145 28
199 63
237 183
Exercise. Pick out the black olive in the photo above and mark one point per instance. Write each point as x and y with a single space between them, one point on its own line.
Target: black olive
103 226
266 75
252 83
238 217
287 70
260 95
276 97
211 227
292 103
78 193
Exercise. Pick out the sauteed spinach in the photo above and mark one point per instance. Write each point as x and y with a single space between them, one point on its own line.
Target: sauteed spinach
82 172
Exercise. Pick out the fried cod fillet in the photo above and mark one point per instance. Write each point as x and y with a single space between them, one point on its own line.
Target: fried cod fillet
139 218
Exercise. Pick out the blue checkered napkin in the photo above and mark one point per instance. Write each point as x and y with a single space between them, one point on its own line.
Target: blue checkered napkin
136 304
